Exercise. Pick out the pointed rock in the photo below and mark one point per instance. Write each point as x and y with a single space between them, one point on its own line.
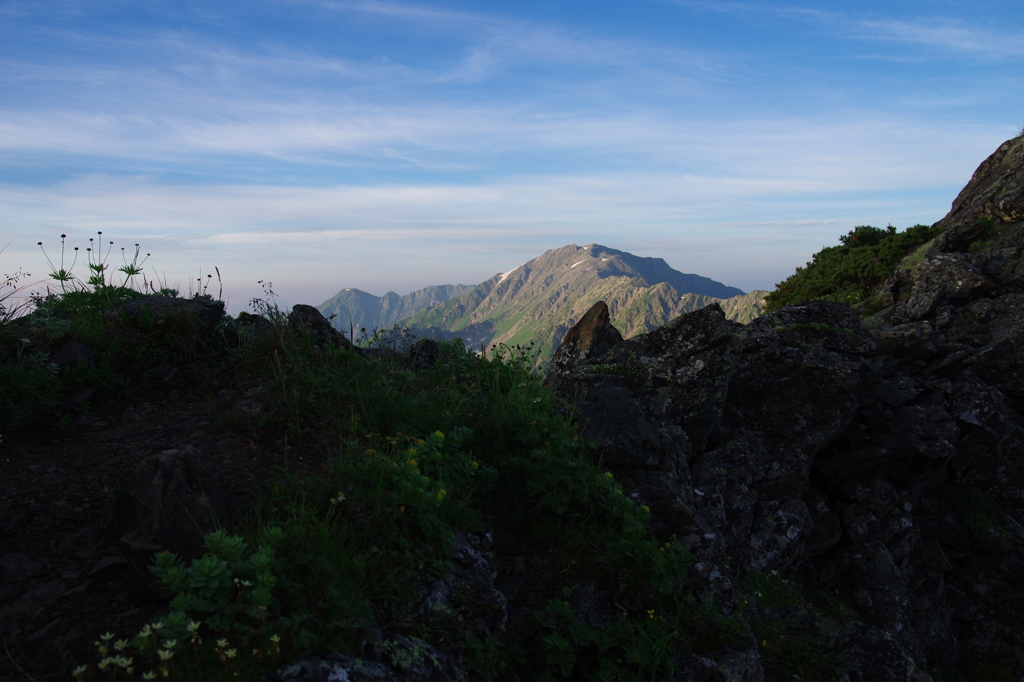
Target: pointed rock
591 337
307 319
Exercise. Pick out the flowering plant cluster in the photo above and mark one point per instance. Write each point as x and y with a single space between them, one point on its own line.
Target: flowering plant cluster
224 609
230 588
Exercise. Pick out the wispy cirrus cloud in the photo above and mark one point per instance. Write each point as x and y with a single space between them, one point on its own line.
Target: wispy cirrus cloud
942 34
946 36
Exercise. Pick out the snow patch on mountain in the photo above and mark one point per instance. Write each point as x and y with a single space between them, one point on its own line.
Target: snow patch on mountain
505 275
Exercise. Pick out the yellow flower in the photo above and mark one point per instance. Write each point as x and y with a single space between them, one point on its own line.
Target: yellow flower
439 435
411 451
650 613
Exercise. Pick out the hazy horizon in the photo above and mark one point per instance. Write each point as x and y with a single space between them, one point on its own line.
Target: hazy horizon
382 145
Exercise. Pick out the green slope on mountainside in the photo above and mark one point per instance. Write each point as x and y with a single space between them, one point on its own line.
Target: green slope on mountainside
745 308
540 300
353 309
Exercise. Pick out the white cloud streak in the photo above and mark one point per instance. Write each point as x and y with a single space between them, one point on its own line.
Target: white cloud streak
946 36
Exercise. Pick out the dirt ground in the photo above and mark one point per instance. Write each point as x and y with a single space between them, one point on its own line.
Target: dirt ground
61 572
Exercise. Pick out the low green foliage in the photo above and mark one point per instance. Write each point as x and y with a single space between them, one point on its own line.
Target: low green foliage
609 369
629 646
416 454
795 637
991 232
848 273
981 515
25 379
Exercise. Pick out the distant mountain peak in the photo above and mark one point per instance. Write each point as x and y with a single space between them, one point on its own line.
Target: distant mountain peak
540 299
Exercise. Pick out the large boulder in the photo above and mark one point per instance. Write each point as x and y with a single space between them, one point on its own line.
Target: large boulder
202 312
170 502
306 319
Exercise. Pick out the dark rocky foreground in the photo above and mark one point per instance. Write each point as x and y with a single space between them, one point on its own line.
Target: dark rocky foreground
880 459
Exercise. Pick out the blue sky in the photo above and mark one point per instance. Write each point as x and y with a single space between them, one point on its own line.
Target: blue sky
394 145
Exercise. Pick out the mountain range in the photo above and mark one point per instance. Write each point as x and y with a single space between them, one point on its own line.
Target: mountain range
541 299
353 309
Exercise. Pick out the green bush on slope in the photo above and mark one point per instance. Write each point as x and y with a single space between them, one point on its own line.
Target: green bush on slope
848 273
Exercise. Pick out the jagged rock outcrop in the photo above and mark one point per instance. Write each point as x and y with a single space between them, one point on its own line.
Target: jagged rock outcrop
994 192
879 459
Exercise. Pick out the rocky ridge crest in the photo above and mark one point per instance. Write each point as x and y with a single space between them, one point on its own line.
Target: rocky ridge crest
879 459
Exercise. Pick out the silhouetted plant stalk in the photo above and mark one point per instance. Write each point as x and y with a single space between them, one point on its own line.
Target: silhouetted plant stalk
97 266
9 288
